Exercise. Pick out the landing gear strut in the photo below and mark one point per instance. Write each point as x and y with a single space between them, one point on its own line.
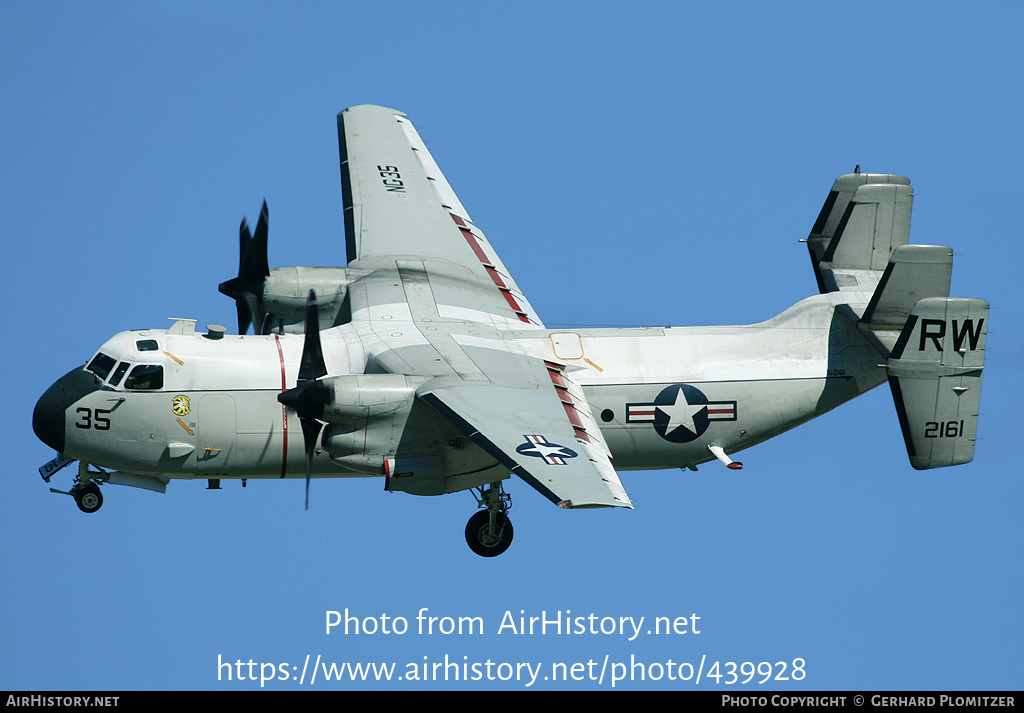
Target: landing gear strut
489 532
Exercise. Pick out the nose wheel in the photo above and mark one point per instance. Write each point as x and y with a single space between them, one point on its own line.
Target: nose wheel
489 532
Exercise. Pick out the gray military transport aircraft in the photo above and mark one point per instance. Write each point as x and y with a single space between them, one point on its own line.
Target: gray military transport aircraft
423 363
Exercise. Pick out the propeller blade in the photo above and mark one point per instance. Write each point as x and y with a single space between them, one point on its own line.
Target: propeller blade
256 259
254 312
312 365
310 434
310 395
253 268
244 316
244 241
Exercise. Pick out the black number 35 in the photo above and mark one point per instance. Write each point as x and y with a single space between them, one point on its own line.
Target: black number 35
89 418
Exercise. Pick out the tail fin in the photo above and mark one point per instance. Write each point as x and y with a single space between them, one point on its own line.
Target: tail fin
935 372
913 273
865 218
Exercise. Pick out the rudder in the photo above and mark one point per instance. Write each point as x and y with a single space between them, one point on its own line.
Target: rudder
935 372
914 272
864 219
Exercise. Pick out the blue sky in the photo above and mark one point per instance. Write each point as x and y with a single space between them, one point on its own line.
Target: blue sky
653 165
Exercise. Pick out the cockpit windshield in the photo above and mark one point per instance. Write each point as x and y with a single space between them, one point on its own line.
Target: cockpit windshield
118 373
101 365
145 377
142 377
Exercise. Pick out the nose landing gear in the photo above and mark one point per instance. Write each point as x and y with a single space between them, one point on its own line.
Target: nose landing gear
88 498
489 532
85 490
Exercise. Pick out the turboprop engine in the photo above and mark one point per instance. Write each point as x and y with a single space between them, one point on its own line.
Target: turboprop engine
377 426
274 300
366 418
284 297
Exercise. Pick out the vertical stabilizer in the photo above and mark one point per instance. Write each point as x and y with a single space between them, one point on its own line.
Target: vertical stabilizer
864 219
935 373
914 272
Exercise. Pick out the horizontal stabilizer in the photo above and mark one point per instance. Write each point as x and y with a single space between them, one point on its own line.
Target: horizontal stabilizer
935 373
914 272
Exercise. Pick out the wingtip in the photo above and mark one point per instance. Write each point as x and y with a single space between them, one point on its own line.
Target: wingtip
371 107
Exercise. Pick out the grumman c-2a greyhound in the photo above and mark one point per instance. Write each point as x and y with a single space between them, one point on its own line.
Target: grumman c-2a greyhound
423 363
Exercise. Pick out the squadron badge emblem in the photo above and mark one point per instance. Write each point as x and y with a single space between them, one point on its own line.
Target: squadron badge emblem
180 405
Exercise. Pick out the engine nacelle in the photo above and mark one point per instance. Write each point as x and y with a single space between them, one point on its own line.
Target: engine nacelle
285 291
377 426
367 416
430 475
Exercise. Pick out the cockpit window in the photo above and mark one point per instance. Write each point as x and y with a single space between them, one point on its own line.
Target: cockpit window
101 365
146 345
118 373
145 377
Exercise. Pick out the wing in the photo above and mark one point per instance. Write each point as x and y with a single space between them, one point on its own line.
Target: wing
436 301
527 429
397 202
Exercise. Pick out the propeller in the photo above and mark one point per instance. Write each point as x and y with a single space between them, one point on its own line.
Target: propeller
253 269
310 395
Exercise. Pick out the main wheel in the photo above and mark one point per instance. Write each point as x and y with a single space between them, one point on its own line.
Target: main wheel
484 542
89 498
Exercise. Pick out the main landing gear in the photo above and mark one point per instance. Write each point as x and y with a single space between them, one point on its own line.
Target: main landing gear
489 532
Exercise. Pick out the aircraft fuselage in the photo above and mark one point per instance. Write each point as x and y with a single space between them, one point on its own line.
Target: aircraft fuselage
661 397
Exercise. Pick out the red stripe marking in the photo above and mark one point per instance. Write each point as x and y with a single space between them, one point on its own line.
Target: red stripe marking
495 277
284 409
562 389
471 239
511 300
574 417
489 266
557 380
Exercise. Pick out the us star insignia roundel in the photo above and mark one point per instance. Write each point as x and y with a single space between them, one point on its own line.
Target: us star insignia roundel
681 413
539 447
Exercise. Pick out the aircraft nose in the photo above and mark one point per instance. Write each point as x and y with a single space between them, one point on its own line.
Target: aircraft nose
48 418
